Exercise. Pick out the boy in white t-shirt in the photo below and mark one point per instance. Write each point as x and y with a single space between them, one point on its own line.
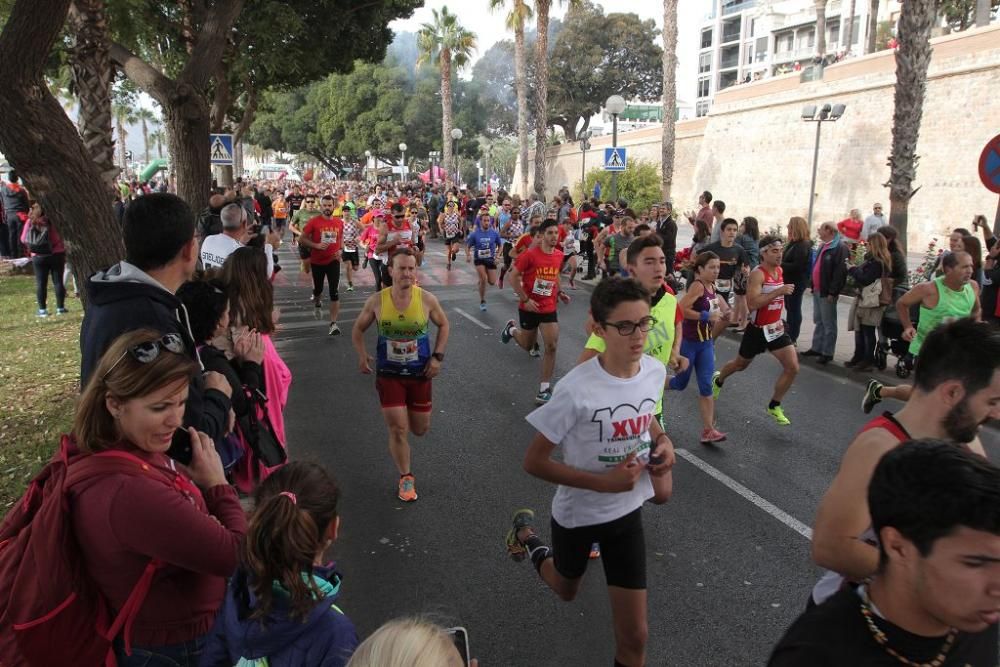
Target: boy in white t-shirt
615 458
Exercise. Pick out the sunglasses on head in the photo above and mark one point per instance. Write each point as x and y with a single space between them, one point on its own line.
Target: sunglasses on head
147 352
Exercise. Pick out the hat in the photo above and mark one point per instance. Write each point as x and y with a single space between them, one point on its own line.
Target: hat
484 207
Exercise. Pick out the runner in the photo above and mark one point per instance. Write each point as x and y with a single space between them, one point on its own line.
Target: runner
484 241
397 233
301 216
733 259
280 207
404 363
323 235
450 225
570 247
351 251
511 232
956 391
766 293
535 279
702 309
615 457
604 245
949 297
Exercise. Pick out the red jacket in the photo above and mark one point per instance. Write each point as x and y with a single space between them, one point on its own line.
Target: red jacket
54 239
121 522
850 228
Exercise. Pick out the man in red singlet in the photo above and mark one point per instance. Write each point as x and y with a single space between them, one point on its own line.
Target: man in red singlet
956 390
398 233
766 292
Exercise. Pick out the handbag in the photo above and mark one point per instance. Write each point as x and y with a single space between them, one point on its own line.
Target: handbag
870 295
260 435
885 296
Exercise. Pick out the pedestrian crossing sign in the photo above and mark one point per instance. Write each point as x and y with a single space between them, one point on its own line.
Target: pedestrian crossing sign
615 159
221 148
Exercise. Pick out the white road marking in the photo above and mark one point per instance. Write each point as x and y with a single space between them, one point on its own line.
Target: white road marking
778 513
473 319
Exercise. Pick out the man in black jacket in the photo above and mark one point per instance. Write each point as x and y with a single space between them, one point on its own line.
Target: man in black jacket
829 276
160 255
14 200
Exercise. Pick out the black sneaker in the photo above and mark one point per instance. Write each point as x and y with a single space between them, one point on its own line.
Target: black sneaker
521 519
812 353
872 397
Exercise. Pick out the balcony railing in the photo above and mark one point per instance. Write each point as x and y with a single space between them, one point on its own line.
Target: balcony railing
734 6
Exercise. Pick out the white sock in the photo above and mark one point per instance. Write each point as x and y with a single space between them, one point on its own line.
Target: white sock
543 386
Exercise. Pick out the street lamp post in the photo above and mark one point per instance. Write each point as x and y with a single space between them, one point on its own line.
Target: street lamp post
435 157
614 105
584 147
402 164
456 134
368 164
828 113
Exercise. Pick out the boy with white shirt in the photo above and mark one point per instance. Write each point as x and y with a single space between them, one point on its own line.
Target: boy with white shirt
615 458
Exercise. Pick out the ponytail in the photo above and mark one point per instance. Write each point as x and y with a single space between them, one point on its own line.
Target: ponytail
294 509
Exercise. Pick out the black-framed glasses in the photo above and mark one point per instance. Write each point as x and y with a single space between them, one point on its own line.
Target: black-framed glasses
147 352
627 328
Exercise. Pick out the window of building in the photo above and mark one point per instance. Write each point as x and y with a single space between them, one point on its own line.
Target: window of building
753 27
784 43
706 38
833 34
730 56
727 79
701 108
703 87
731 29
807 39
760 50
748 55
704 63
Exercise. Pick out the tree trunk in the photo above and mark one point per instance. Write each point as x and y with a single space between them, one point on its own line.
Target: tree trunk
872 26
52 158
122 148
541 92
446 116
187 138
92 74
912 60
669 95
846 36
145 140
521 84
820 28
982 13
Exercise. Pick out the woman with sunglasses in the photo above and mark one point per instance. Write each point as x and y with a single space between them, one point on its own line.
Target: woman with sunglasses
185 523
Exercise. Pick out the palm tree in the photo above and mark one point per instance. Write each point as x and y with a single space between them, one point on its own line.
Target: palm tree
520 13
847 35
445 40
872 26
820 28
158 136
145 117
912 59
669 94
124 116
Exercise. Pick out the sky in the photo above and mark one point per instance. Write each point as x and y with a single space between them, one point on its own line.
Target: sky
489 27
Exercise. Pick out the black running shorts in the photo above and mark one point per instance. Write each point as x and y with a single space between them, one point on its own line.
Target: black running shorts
350 257
530 320
490 264
623 550
754 343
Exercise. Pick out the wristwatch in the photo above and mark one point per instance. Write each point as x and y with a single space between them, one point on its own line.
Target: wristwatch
439 356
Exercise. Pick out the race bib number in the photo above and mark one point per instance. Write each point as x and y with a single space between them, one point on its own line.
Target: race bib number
713 306
483 253
774 331
584 236
543 287
724 285
401 351
328 236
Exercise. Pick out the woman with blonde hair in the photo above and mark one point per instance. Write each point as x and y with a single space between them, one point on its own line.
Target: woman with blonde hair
177 530
871 301
409 642
795 268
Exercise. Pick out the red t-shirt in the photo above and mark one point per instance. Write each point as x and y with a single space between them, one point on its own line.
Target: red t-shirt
523 242
324 230
540 276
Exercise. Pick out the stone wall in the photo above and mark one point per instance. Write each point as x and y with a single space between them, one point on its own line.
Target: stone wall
754 152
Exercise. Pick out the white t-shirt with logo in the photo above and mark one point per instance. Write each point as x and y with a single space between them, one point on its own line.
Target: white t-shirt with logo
598 419
217 247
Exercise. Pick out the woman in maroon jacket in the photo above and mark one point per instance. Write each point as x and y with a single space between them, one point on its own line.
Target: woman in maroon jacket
188 521
48 257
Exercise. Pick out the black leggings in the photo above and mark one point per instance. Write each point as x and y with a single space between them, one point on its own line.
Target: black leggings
330 271
376 266
46 265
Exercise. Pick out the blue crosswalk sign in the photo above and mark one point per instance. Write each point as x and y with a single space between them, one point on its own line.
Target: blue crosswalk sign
615 159
221 148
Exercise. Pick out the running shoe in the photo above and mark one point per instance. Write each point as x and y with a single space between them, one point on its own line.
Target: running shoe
535 351
453 256
711 435
316 302
873 396
716 387
595 550
42 312
521 519
482 306
779 416
350 287
543 396
505 333
407 489
334 329
61 311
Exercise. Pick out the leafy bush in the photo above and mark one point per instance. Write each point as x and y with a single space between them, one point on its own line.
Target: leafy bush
639 185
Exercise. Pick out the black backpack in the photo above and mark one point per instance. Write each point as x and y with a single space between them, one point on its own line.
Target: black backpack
38 240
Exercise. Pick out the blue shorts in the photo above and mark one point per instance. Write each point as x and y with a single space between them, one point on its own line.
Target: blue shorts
701 359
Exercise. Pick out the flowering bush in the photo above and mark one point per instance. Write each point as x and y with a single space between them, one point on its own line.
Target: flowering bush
925 271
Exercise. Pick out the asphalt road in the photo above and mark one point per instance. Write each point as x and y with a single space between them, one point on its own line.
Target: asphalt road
728 556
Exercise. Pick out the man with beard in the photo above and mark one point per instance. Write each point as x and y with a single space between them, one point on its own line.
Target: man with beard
956 390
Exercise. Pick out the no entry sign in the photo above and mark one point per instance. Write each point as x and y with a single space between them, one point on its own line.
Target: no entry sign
989 165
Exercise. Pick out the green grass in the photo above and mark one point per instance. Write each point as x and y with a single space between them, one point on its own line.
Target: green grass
39 375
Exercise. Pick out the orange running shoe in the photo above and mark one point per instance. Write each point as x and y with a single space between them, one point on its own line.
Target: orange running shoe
407 488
